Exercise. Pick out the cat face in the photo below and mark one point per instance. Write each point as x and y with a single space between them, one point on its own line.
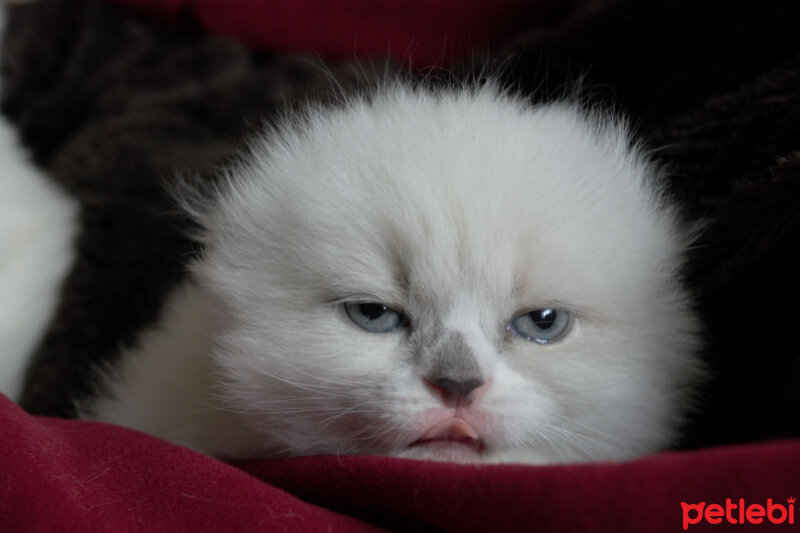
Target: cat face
455 276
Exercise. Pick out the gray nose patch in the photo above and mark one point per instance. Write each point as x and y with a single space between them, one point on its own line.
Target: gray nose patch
453 361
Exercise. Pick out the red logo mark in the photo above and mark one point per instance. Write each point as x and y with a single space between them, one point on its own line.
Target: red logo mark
738 513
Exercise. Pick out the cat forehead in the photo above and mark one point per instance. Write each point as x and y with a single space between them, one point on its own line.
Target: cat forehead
431 143
450 187
416 155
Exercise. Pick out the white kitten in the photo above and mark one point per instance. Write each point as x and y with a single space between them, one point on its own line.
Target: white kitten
452 275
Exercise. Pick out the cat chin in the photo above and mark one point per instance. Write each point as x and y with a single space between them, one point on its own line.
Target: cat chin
455 452
459 453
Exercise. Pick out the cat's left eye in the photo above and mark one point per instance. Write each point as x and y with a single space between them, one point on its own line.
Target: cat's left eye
542 326
374 317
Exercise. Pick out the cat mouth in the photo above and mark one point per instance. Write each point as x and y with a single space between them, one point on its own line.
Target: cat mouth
454 434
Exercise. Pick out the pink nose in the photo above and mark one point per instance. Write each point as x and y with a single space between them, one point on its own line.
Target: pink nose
457 391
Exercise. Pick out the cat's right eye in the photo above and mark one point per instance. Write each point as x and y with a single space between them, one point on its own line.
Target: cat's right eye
542 326
374 317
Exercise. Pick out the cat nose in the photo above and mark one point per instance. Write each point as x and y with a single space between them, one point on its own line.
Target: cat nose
456 390
453 371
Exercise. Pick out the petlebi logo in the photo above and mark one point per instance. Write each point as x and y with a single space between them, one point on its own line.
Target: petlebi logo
738 512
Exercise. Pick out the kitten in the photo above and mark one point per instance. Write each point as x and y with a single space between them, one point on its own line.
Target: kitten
433 274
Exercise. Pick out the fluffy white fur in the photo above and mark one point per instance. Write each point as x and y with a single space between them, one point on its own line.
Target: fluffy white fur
37 227
462 209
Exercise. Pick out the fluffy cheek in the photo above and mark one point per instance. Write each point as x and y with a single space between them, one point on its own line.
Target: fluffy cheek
314 384
610 397
517 409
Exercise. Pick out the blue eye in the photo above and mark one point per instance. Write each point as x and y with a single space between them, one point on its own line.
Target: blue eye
374 317
542 325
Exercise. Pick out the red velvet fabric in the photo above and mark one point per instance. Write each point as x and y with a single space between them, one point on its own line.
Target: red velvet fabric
68 475
425 31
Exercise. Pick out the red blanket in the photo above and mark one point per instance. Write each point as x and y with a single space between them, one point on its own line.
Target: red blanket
66 475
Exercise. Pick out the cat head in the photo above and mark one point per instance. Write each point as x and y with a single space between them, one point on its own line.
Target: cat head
453 274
